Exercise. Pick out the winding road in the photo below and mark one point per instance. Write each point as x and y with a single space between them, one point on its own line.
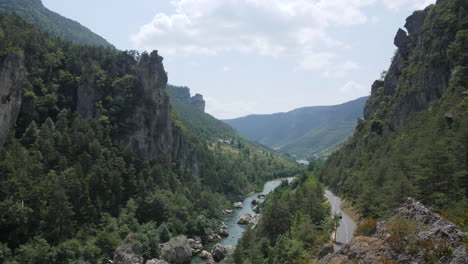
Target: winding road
347 226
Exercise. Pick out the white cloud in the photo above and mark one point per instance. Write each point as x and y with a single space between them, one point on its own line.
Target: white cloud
297 28
226 69
231 109
417 4
353 89
327 64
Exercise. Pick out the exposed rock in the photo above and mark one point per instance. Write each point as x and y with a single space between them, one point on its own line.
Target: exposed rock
156 261
220 252
424 85
198 102
12 79
402 41
224 230
129 252
177 250
254 202
414 24
227 212
432 239
245 219
255 220
261 196
238 205
205 255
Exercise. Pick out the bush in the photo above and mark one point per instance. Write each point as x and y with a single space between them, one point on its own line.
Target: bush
366 227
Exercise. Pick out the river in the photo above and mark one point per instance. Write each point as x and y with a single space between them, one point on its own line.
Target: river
235 230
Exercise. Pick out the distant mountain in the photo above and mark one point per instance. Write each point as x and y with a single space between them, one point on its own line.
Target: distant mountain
304 132
52 23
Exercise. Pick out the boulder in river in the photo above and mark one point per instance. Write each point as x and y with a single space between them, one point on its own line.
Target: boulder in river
254 202
220 252
261 196
205 255
177 250
238 205
224 230
245 219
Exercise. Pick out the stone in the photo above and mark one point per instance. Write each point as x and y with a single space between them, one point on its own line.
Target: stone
402 42
238 205
261 196
205 255
245 219
220 252
177 250
129 251
12 79
227 212
224 230
198 102
431 227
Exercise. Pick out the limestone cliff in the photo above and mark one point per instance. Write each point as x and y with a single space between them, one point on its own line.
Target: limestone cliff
12 78
183 94
419 72
152 136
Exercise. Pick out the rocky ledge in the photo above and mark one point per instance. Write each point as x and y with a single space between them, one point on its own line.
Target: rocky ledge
413 234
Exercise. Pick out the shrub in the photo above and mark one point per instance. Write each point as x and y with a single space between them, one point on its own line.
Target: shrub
366 227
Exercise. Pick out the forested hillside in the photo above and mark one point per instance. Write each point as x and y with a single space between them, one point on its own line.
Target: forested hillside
413 141
92 153
309 132
52 23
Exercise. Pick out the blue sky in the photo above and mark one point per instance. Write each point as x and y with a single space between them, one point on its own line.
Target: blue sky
256 56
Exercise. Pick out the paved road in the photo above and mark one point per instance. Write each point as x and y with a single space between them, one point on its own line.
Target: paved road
347 226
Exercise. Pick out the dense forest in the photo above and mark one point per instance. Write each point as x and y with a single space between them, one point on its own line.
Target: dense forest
72 184
413 141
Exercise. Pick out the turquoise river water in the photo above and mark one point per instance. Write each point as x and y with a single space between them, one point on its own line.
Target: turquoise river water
235 230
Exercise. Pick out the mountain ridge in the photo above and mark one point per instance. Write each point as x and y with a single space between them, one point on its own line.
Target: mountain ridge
55 24
303 132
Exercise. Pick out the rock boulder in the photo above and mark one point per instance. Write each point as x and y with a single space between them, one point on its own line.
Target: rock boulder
177 250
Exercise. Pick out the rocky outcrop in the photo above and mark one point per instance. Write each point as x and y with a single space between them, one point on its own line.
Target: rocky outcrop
244 219
129 252
205 255
152 136
183 94
238 205
198 102
224 230
196 245
177 250
12 79
413 234
220 252
419 73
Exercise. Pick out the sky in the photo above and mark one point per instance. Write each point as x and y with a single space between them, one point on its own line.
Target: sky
256 56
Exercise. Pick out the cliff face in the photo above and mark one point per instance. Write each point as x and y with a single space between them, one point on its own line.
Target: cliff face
183 94
152 135
12 78
419 73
